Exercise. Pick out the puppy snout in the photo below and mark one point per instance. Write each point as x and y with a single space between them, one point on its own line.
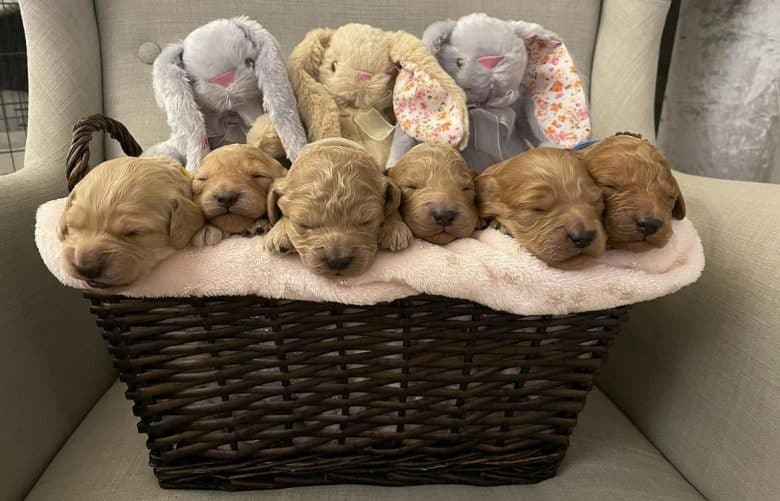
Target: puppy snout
89 271
338 262
648 225
582 239
226 198
443 216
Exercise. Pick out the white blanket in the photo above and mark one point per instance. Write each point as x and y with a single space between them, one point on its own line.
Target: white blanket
491 269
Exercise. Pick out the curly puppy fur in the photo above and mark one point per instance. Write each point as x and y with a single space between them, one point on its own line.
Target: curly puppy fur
641 195
231 186
126 216
336 208
546 200
438 193
338 73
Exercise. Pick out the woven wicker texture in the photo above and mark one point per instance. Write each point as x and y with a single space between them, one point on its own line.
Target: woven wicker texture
77 163
246 392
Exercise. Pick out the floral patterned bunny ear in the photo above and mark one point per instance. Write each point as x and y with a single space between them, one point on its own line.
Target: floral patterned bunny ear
556 97
428 104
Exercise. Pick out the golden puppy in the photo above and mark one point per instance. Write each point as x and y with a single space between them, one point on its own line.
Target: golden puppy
336 208
545 199
126 216
437 188
231 186
640 193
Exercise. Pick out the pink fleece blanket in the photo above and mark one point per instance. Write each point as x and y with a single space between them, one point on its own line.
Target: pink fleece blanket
491 269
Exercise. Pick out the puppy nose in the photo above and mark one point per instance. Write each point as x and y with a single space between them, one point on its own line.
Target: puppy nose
363 75
89 271
648 225
444 217
226 198
582 239
338 263
490 62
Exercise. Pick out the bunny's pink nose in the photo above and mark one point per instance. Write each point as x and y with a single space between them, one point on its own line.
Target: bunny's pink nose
225 79
363 75
490 62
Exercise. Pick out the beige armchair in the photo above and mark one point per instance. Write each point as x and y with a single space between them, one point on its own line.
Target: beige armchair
689 403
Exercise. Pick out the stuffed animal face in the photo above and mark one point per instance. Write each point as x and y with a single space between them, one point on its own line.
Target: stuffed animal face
356 68
486 56
221 58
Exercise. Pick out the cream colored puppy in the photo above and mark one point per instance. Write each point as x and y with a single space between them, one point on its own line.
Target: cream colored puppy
126 216
230 186
336 208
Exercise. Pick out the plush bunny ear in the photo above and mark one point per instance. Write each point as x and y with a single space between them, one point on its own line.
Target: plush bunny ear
278 98
318 110
437 35
557 106
428 104
174 94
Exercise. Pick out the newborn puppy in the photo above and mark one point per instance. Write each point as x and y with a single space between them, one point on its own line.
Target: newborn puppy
231 186
336 208
640 194
126 216
437 188
545 199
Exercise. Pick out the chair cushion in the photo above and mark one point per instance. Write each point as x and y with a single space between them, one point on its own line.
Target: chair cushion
130 30
105 458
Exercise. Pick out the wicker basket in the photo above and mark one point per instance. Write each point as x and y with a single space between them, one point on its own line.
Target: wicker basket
253 393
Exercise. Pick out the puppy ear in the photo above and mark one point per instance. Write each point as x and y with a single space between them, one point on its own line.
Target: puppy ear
488 197
678 211
186 220
275 192
392 196
437 35
62 227
175 96
278 98
318 110
422 84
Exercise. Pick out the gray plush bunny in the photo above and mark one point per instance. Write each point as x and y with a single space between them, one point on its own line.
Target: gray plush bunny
216 83
521 86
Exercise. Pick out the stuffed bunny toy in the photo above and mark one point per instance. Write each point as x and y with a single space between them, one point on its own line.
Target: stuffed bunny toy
217 83
521 85
369 85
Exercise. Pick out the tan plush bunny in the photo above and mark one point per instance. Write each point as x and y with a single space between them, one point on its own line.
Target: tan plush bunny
377 88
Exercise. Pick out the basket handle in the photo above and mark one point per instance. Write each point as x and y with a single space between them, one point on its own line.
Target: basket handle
77 163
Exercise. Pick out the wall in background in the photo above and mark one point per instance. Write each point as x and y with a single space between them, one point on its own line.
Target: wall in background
721 113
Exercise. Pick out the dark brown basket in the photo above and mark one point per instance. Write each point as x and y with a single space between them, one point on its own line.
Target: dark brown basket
246 392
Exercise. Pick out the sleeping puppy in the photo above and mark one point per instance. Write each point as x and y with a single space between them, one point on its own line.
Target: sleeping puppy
126 216
640 193
231 186
546 200
336 208
437 188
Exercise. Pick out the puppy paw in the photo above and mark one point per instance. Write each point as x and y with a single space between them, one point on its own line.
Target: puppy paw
207 236
395 236
277 240
259 227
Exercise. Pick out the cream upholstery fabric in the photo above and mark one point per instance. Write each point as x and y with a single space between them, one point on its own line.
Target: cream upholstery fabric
699 371
125 26
625 66
53 363
608 459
